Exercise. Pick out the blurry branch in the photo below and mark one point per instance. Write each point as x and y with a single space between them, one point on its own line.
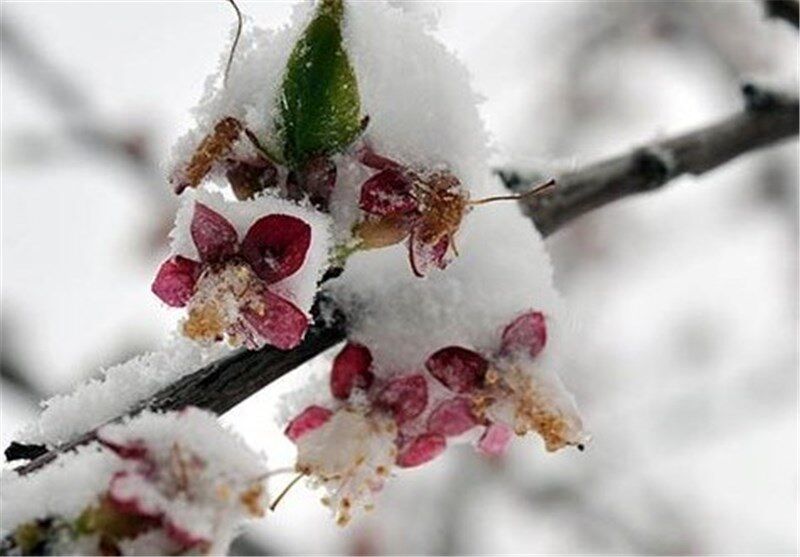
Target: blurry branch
82 123
767 118
787 10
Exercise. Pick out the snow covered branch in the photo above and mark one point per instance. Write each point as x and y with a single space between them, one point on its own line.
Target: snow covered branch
767 118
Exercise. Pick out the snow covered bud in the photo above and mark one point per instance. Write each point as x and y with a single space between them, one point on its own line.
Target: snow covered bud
246 290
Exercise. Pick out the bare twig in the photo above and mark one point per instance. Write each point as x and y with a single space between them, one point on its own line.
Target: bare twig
787 10
767 118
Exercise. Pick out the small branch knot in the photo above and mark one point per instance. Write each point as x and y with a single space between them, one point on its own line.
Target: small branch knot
654 165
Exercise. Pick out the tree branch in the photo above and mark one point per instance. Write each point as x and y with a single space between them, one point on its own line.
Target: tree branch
787 10
767 118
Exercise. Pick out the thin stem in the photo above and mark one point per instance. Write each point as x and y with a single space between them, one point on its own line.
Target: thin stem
285 491
239 25
540 189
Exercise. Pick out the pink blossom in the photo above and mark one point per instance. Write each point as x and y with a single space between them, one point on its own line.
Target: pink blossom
228 289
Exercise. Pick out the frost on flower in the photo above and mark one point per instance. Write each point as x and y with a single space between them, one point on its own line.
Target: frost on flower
406 418
172 483
247 271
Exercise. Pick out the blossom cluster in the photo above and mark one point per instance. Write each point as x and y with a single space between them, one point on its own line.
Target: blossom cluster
377 419
175 483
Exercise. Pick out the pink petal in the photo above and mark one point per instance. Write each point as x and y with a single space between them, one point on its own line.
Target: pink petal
528 332
406 397
214 236
495 440
421 449
369 158
280 323
133 450
351 368
175 281
457 368
452 417
182 536
424 257
387 193
308 420
125 501
276 246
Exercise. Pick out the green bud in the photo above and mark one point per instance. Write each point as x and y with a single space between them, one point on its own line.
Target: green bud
319 103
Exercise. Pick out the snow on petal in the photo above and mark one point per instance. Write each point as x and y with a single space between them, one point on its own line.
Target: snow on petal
277 320
175 280
459 369
495 440
528 332
452 417
421 449
276 246
388 193
424 256
308 420
214 237
351 369
405 396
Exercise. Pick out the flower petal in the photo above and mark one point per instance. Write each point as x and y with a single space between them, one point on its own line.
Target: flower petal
184 537
495 440
125 494
388 192
452 417
351 368
459 369
423 256
406 397
308 420
276 246
421 449
528 332
279 322
214 237
371 159
175 280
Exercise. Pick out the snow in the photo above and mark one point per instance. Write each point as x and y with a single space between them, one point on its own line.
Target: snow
62 488
118 389
503 269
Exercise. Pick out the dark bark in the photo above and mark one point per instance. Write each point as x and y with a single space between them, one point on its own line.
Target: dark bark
767 118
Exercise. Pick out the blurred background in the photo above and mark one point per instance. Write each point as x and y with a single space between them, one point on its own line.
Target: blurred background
685 301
